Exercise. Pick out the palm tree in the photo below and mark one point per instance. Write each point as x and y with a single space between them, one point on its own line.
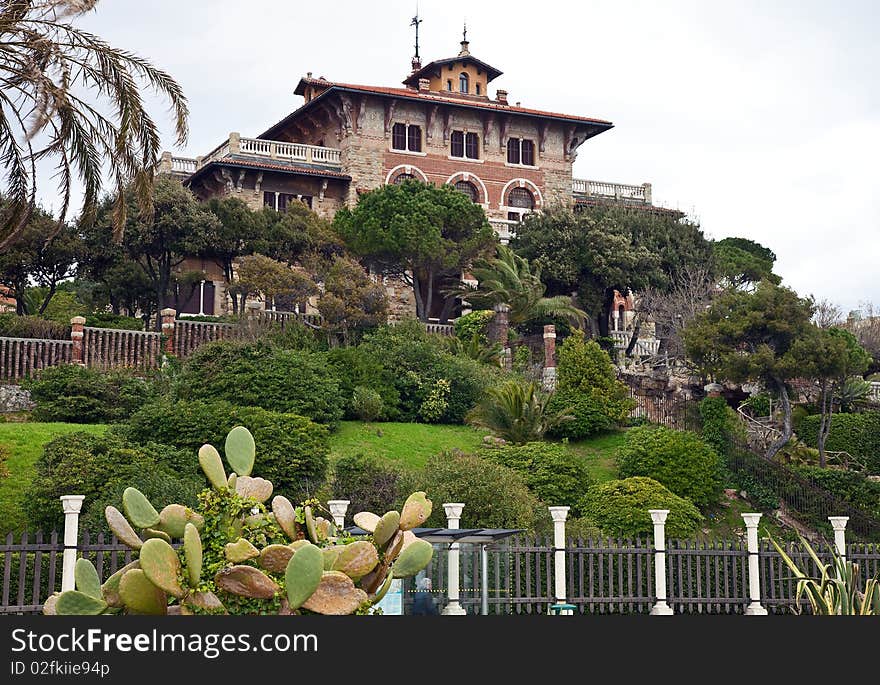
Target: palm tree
68 97
516 412
508 279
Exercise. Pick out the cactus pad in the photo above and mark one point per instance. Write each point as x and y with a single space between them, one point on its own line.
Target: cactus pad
335 595
155 533
192 552
76 603
285 516
386 529
206 601
212 465
138 509
246 581
140 596
174 517
240 450
275 558
259 489
49 606
311 528
122 528
382 590
413 559
86 578
415 511
366 520
357 559
303 575
330 556
160 564
240 550
110 588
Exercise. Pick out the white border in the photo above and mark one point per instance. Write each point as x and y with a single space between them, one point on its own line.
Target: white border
407 169
521 183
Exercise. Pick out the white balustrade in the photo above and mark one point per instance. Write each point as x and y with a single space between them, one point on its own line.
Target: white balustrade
274 149
604 189
183 165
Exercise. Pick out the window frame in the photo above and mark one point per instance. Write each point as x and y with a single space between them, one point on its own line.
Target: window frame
464 83
469 142
411 137
475 197
518 146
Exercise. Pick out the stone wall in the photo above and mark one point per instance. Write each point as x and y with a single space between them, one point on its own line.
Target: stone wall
14 398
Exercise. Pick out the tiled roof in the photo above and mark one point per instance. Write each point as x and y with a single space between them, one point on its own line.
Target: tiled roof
275 165
432 96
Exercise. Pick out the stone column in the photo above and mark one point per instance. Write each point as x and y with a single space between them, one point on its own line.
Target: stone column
165 163
549 374
658 516
338 507
453 520
754 608
234 143
648 193
72 504
76 336
839 525
168 317
559 514
497 332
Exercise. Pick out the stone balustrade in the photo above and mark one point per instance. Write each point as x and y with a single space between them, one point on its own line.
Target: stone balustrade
619 192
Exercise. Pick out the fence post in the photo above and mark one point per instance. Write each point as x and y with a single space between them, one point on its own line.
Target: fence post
338 507
549 374
559 514
754 608
76 336
839 525
72 504
168 317
453 519
658 516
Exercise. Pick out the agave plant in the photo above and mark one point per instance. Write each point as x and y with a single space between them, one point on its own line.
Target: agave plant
837 589
517 412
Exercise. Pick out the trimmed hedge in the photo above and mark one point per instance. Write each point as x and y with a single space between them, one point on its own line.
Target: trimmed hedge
620 507
679 460
14 326
858 434
847 485
557 477
368 484
292 451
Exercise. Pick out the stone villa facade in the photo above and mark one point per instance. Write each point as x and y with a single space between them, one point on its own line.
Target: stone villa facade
440 126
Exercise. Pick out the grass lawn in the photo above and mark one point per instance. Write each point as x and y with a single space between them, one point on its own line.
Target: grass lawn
599 454
25 443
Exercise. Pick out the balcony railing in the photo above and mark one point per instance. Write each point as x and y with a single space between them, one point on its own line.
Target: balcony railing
256 147
504 229
619 192
644 346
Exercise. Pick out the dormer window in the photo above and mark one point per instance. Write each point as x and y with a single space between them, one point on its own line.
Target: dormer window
463 83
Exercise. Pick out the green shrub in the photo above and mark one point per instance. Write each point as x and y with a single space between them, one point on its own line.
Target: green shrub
858 434
14 326
720 426
84 464
369 484
590 413
847 485
522 360
357 366
258 375
476 322
494 495
115 321
293 450
77 394
555 475
517 412
678 460
759 404
620 507
366 404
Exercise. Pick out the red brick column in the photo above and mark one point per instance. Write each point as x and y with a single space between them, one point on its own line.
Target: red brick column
549 375
168 317
76 335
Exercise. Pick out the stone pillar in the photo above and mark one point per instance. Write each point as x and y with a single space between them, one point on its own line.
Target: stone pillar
658 516
648 193
615 315
234 143
839 525
497 332
713 389
338 507
754 608
76 335
549 374
168 317
72 504
559 514
453 520
165 163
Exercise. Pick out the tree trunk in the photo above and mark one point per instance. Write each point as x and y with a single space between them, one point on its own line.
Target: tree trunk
605 313
634 338
429 301
417 285
448 306
824 424
786 420
49 295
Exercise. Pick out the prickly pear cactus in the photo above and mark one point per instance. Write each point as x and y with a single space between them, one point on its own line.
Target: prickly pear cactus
242 554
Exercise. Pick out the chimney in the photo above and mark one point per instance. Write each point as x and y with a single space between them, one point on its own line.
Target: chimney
501 96
424 83
416 64
464 49
308 74
518 103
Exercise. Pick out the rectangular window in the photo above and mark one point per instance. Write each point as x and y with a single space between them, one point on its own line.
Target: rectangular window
406 137
472 146
513 151
514 216
269 199
414 138
521 151
528 152
457 149
398 137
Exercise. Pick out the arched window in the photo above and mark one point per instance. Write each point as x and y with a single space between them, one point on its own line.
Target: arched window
400 178
468 189
463 83
521 198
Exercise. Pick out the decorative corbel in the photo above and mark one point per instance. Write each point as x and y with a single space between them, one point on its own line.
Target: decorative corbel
361 111
227 179
347 113
258 184
505 123
488 127
390 105
323 190
543 127
430 116
240 181
569 138
447 124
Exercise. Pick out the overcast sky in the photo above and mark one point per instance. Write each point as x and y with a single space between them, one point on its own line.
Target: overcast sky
761 119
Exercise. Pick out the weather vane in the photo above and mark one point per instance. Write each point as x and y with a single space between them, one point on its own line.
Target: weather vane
415 22
464 33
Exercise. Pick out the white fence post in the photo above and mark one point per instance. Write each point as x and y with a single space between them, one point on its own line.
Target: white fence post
839 525
338 507
559 515
658 516
453 519
72 504
754 608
